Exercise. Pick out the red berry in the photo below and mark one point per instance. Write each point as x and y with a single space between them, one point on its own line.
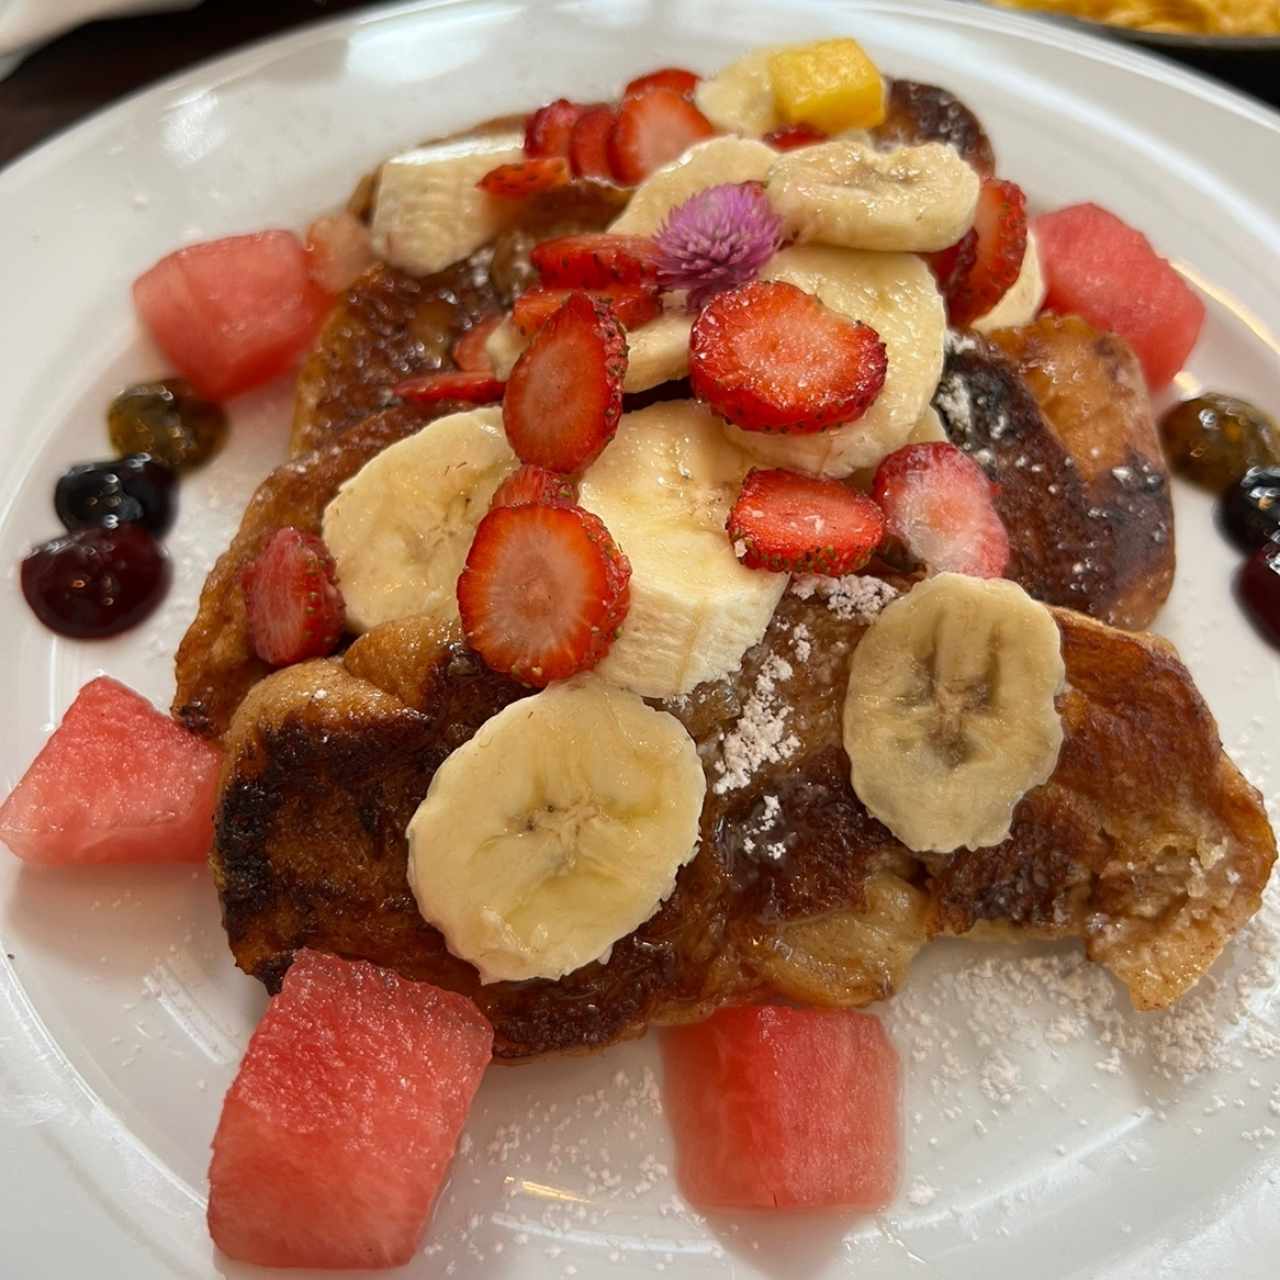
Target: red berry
938 502
954 262
469 352
528 178
294 606
653 129
596 260
431 388
564 396
1000 227
676 79
534 485
543 592
632 305
547 131
95 582
1260 589
768 356
589 143
791 136
792 523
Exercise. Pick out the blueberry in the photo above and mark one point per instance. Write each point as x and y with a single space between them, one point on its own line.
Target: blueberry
1250 510
105 495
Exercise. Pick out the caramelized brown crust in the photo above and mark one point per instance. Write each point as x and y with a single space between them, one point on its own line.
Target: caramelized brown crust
918 113
1059 417
1146 843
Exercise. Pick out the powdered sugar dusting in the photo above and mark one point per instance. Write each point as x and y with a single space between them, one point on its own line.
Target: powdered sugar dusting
858 597
760 736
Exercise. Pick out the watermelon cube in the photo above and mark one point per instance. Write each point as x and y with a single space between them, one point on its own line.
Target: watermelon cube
232 314
339 1127
118 781
776 1108
1099 267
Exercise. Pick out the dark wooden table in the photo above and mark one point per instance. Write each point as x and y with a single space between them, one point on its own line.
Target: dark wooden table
103 61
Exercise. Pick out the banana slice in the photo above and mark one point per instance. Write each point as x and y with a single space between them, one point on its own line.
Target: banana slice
740 98
657 352
707 165
912 199
949 718
429 212
896 295
663 487
400 528
533 868
1024 297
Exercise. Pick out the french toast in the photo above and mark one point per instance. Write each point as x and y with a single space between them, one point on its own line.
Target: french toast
1146 843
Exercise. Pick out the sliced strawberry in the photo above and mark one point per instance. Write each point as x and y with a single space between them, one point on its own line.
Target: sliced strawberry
338 250
1000 225
534 485
543 592
589 143
954 262
469 352
547 130
564 395
432 388
652 129
768 356
676 79
528 178
791 136
938 502
596 260
791 523
295 609
633 305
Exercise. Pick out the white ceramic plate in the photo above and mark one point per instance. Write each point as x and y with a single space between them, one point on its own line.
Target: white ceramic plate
1050 1131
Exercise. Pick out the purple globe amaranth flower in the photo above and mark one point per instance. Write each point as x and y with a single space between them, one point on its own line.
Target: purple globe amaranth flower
716 240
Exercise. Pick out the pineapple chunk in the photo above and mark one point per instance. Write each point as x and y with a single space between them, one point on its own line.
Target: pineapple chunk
830 84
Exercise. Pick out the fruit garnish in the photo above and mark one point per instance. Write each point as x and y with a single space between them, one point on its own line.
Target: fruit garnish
543 592
432 388
337 1132
1260 589
232 314
716 240
526 178
339 250
937 502
596 260
117 782
1250 508
95 582
919 113
830 84
132 490
1000 226
653 129
1102 269
791 136
954 262
548 130
1214 439
589 143
294 607
534 485
168 421
676 79
770 357
632 305
469 352
791 523
775 1108
564 396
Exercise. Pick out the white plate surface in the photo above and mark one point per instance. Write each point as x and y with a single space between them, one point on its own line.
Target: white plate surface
1051 1132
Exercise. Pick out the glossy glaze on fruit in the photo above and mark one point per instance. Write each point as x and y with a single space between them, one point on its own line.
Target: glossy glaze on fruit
1214 439
95 582
1260 589
1250 509
167 420
132 490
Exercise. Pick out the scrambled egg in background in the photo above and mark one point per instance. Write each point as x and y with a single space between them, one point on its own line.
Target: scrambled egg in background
1184 17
